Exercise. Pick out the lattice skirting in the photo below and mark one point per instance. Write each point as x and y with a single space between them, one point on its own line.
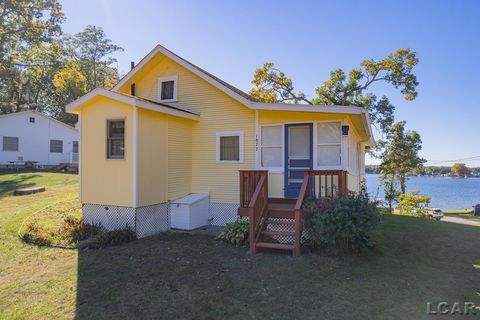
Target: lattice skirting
144 221
222 213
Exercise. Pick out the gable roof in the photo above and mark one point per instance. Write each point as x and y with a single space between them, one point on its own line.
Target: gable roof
38 114
134 101
242 96
232 91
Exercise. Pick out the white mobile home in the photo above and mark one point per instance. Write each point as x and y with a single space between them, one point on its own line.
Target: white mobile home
32 136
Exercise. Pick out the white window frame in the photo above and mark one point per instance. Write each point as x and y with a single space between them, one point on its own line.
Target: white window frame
343 142
281 168
124 139
238 134
3 144
166 79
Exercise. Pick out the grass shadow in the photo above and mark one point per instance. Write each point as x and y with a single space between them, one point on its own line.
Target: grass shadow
183 276
20 181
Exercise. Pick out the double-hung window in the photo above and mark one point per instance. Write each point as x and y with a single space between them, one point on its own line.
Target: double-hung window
271 147
56 146
229 146
10 143
115 139
329 144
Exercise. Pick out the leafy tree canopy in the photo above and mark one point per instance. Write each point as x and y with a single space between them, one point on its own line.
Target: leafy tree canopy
272 85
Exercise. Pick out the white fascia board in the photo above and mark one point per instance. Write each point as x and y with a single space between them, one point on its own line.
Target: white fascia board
307 108
130 100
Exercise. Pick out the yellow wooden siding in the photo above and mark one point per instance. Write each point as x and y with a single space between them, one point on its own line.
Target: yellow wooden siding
218 112
179 157
105 181
152 157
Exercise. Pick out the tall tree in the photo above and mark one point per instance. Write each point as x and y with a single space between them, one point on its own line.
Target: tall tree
27 30
272 85
400 156
94 52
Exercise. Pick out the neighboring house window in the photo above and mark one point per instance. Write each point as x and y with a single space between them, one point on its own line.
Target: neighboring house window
329 142
167 87
230 146
56 146
75 147
32 120
116 139
271 147
10 143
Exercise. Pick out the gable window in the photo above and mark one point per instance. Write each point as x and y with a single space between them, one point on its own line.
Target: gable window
271 147
32 120
230 146
10 143
167 89
329 144
116 139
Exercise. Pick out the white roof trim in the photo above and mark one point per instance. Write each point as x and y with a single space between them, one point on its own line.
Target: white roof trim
307 108
132 101
39 114
186 65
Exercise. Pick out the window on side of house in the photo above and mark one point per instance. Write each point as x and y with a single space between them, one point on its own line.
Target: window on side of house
56 146
329 144
271 147
75 147
115 139
230 146
10 144
167 89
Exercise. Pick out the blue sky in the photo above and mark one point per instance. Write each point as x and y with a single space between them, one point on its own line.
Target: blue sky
309 39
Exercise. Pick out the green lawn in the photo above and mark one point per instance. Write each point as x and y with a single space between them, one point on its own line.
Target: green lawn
180 276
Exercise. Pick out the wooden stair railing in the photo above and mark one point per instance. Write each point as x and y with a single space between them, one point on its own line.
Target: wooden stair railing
258 212
309 187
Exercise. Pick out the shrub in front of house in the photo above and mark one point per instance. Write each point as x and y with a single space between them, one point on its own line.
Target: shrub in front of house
111 238
346 223
235 233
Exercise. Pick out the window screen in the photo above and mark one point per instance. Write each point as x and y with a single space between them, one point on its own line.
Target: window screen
329 144
271 146
116 139
56 146
167 90
229 148
10 143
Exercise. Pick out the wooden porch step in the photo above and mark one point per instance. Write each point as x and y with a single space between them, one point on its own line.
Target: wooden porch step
275 213
290 222
274 245
272 233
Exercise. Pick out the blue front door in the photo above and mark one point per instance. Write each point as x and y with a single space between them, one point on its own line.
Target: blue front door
298 156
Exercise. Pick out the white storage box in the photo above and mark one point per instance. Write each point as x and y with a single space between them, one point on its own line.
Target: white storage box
189 212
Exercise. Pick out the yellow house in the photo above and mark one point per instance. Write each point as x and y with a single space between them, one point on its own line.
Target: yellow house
170 129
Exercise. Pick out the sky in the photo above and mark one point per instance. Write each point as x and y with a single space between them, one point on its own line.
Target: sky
307 40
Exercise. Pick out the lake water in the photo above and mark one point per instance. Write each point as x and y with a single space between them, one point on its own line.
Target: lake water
445 192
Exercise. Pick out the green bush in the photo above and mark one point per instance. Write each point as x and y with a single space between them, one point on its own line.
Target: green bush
235 233
346 223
